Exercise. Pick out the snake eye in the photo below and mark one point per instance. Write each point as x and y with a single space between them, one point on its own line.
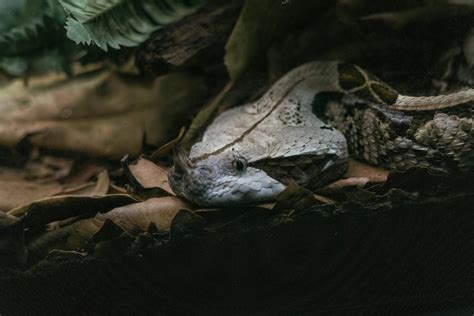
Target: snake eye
239 164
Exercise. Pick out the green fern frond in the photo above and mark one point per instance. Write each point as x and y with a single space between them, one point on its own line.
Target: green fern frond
35 41
118 23
38 21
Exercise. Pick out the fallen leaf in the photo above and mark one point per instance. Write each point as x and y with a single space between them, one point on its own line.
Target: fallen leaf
15 190
22 186
133 219
150 175
294 197
42 212
324 200
48 168
137 217
81 174
338 185
186 223
73 237
103 183
357 169
84 189
94 114
109 241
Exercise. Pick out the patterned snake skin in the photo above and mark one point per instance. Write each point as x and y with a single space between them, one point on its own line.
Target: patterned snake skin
249 153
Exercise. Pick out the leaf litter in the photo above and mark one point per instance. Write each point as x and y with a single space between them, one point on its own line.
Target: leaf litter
58 207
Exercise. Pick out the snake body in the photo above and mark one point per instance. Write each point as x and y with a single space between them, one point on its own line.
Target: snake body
249 153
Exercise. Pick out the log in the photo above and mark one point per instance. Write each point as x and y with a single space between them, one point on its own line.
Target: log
200 36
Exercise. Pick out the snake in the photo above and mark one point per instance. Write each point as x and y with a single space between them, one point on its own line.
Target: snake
251 153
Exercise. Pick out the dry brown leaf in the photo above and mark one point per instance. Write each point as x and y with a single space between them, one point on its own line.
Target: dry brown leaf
323 199
358 169
68 238
103 183
84 189
48 176
48 168
81 175
340 184
97 188
57 208
294 197
132 218
137 217
15 190
97 115
150 175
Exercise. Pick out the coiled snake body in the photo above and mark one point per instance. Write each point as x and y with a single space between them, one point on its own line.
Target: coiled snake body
249 153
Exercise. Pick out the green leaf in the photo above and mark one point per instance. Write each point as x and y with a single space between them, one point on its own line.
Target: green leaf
36 41
38 24
9 13
115 23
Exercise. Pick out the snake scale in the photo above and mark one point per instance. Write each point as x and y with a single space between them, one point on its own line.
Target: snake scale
251 152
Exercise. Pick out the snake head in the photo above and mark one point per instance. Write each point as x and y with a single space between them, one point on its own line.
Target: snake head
226 179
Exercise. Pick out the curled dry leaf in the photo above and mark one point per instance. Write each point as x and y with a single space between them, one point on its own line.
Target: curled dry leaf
139 216
103 183
150 175
42 212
